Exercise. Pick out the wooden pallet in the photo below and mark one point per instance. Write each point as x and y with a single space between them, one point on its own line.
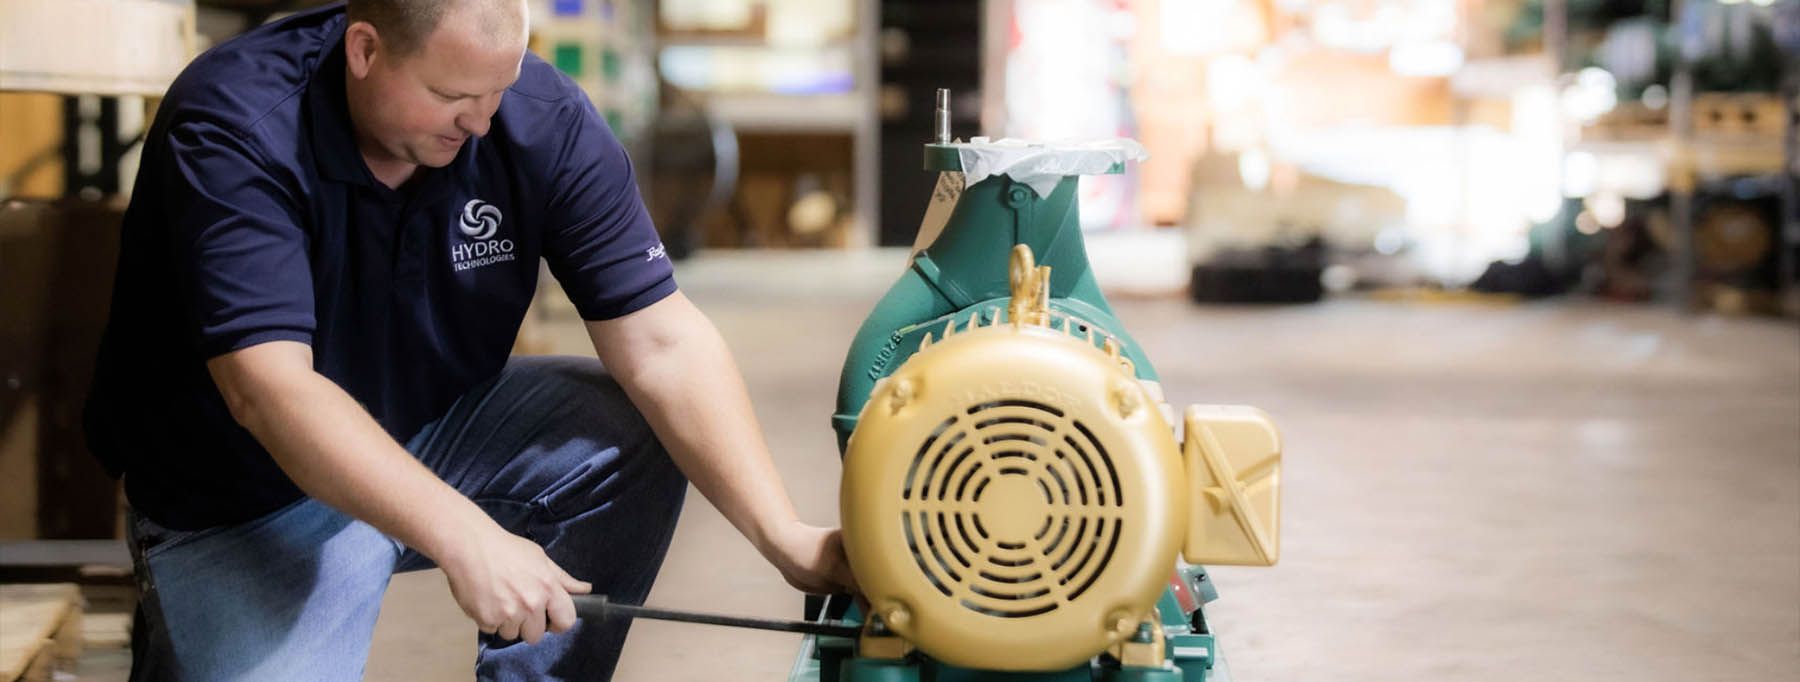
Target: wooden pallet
40 631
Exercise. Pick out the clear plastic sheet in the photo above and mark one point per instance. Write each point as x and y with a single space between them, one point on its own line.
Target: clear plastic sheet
1041 164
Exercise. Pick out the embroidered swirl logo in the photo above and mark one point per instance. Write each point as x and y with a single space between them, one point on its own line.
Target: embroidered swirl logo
480 219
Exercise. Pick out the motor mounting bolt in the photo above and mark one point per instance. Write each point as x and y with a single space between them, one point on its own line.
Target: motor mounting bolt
898 616
1144 634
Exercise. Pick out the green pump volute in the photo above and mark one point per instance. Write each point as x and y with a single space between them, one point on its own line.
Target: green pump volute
962 273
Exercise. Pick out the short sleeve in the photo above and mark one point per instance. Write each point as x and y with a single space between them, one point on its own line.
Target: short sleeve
599 241
239 247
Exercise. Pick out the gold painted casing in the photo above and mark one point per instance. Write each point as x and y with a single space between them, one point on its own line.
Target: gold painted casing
1013 499
1233 458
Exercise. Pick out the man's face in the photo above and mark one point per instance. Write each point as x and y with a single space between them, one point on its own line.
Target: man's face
420 108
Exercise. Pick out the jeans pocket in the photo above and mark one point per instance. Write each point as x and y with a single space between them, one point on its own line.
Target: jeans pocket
577 491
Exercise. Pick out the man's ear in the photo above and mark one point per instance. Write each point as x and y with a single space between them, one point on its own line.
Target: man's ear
361 46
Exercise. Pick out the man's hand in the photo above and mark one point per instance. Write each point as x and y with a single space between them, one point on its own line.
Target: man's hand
510 587
811 559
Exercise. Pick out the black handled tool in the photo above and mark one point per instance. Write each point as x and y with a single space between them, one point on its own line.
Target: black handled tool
597 607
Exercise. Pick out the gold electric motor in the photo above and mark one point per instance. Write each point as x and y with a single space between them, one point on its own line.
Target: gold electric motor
1014 497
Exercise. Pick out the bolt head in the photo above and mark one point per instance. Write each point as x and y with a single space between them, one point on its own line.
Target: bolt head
897 616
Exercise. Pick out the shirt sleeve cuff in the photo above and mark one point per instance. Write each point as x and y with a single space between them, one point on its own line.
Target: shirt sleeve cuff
217 346
643 299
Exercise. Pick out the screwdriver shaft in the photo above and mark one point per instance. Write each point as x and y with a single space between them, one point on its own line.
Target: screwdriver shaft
597 606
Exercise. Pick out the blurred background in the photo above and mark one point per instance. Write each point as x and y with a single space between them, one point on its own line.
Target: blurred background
1517 277
1626 151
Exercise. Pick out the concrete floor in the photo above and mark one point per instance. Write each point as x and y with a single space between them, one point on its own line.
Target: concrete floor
1547 491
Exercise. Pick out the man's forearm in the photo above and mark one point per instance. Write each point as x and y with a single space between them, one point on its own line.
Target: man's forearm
334 451
692 393
680 374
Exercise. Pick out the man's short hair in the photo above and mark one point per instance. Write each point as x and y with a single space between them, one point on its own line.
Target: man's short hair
402 24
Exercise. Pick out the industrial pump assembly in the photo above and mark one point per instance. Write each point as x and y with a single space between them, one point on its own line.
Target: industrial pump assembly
1015 491
1017 498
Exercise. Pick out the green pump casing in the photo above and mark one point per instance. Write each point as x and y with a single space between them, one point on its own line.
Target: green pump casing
963 273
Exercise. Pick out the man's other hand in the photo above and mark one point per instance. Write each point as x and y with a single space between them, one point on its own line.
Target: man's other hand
509 587
812 559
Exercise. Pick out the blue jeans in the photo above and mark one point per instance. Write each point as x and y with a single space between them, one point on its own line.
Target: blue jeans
551 448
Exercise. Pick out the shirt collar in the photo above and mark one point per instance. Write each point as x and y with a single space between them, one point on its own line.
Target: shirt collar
333 138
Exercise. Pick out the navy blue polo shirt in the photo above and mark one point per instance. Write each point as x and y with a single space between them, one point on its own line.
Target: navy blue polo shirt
254 219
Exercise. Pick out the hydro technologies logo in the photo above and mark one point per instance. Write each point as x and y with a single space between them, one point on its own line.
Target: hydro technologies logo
480 222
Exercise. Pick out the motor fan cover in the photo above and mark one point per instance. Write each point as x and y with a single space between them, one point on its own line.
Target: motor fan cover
1013 499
